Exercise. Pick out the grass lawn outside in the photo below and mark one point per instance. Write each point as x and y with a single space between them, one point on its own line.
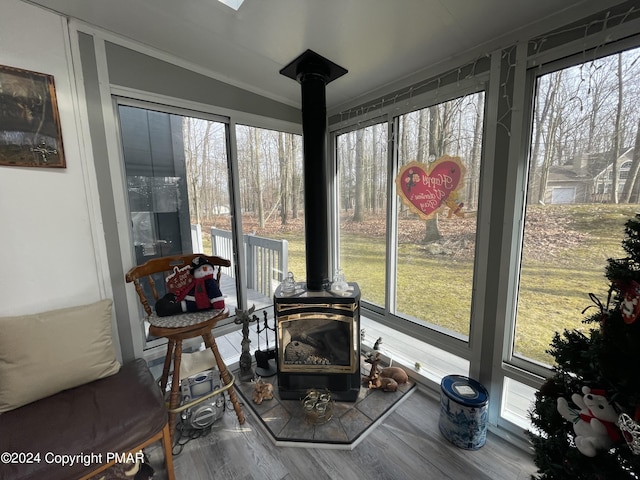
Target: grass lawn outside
554 291
566 248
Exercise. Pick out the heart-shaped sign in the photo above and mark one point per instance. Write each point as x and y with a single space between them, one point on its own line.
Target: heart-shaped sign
426 189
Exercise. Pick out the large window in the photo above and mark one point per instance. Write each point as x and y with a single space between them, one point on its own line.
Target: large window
271 200
559 152
583 185
180 190
177 183
362 183
435 258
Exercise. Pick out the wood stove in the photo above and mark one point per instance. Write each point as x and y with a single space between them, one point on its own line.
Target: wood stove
318 330
318 336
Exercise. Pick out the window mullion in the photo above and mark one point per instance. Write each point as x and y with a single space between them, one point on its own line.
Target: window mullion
236 218
392 220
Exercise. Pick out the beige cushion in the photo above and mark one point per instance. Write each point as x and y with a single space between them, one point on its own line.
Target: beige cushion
48 352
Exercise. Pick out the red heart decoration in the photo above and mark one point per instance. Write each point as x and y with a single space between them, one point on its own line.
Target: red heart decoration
426 189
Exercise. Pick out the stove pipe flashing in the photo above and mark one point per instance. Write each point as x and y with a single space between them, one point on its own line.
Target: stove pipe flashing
314 72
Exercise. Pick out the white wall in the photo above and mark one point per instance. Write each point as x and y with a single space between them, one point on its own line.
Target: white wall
49 249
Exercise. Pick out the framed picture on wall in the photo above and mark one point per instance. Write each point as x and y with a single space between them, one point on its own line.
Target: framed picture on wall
30 134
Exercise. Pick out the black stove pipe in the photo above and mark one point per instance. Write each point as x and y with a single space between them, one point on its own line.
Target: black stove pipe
314 72
314 138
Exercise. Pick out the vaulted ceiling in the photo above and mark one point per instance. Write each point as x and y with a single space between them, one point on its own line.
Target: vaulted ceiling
380 42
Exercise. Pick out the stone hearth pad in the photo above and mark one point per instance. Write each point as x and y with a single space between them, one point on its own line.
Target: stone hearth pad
284 420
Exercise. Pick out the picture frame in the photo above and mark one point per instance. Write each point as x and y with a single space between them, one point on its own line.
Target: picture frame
30 133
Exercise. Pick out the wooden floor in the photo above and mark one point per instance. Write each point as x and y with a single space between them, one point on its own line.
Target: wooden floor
407 445
402 349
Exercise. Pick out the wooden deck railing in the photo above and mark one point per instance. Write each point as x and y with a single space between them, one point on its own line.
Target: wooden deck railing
266 259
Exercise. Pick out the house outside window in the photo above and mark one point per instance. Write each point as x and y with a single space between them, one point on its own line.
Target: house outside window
178 184
173 165
566 243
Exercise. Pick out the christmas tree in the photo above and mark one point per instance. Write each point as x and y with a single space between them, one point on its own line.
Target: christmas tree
586 416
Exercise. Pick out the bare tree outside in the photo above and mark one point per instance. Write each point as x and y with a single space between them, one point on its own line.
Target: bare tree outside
583 182
585 119
451 128
358 211
584 169
206 159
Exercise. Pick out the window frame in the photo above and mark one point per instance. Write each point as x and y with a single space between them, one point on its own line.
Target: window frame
439 338
495 362
153 351
528 371
334 227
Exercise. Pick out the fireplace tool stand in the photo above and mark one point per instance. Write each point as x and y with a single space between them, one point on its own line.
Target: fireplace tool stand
265 359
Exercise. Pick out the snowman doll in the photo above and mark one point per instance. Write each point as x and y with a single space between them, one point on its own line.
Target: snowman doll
201 293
